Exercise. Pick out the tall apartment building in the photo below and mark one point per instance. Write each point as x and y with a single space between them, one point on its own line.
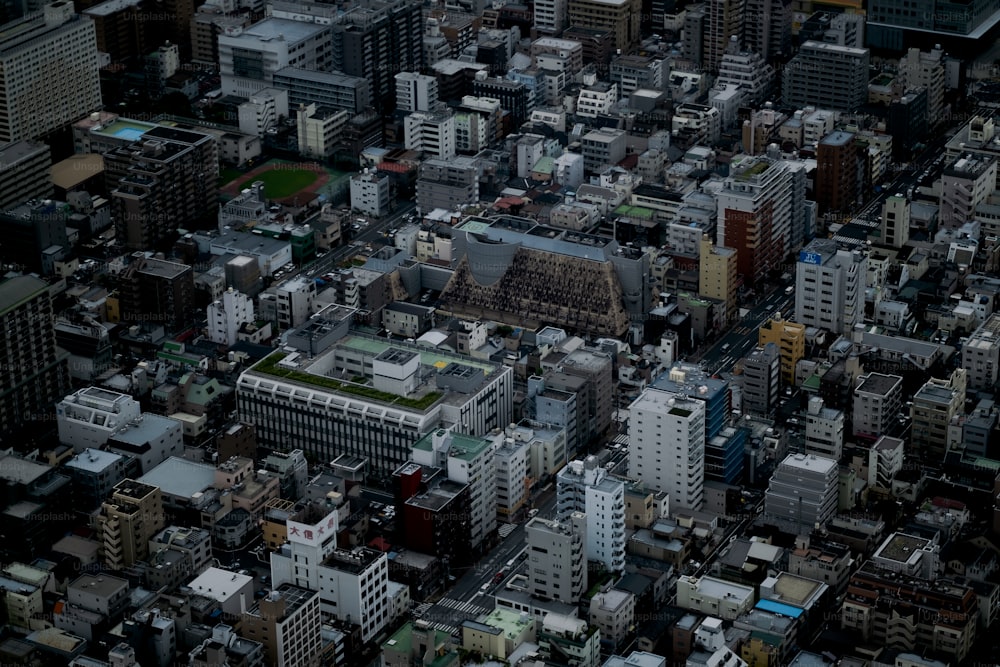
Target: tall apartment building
375 39
320 130
156 290
756 214
761 379
824 430
837 181
667 446
249 57
829 286
934 406
25 166
128 521
790 337
925 69
965 184
164 181
895 221
750 72
981 355
718 275
448 183
557 558
120 30
416 92
767 28
206 26
288 623
353 588
467 460
227 315
432 133
51 72
723 19
550 16
603 147
585 487
826 76
370 193
511 457
803 493
878 398
621 17
33 371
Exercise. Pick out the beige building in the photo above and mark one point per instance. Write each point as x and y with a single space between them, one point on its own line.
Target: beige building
934 406
790 337
128 521
620 16
717 275
287 622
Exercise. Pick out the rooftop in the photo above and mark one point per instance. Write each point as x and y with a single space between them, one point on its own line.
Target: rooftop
93 460
219 584
180 477
275 29
900 548
18 290
16 470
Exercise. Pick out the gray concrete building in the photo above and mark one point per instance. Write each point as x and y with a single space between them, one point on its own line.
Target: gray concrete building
557 560
826 76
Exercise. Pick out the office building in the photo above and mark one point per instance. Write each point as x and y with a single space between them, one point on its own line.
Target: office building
802 494
514 97
557 558
718 275
289 625
157 291
723 19
435 521
878 398
163 181
250 57
51 72
965 184
412 391
757 214
981 355
895 221
466 460
674 464
826 76
320 130
837 185
790 337
33 371
324 89
431 133
89 417
353 588
829 287
370 192
25 166
227 315
35 236
128 521
621 17
416 92
767 29
375 39
925 69
602 148
585 487
960 26
761 379
448 184
824 430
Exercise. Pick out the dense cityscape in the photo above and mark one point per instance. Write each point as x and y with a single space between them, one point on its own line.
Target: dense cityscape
446 333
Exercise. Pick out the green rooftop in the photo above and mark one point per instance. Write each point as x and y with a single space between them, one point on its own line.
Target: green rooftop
756 169
511 623
428 356
634 211
402 641
464 447
812 384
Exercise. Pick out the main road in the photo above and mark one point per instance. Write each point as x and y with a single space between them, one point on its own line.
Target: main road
743 337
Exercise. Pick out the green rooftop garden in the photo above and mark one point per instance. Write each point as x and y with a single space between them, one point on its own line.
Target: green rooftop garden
758 168
269 366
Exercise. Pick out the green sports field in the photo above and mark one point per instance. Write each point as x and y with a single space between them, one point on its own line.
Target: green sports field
283 181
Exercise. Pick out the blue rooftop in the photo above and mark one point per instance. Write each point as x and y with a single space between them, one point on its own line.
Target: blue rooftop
779 608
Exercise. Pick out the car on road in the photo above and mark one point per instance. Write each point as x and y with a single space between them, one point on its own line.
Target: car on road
485 587
790 290
532 513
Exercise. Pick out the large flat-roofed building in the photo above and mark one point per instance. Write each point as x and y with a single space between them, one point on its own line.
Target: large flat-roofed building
621 17
963 27
90 416
521 272
325 89
827 76
249 57
51 72
878 398
25 167
802 493
371 397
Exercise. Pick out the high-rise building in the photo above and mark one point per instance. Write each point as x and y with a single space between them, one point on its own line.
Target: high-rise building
33 371
621 17
761 379
288 623
878 399
896 221
934 406
718 275
416 92
128 521
51 72
557 558
585 487
667 445
227 315
249 57
550 16
767 28
965 184
894 25
829 286
790 337
25 166
802 494
163 181
925 69
156 290
756 214
981 355
837 172
826 76
724 19
375 39
432 133
824 430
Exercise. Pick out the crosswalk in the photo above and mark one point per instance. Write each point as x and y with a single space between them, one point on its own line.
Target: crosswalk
621 439
465 607
506 529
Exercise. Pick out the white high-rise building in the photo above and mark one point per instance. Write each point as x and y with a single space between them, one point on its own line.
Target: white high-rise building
557 562
803 492
584 486
416 92
550 16
431 133
830 287
896 221
51 73
226 315
667 446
